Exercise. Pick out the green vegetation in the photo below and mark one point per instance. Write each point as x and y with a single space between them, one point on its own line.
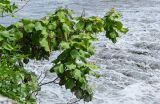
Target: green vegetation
7 7
35 39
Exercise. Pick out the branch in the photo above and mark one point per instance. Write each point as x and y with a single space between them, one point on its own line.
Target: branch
39 76
83 13
36 91
42 78
54 81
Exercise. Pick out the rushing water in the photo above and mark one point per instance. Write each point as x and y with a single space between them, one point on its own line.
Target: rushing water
130 69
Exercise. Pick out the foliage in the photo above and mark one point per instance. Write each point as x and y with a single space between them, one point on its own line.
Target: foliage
113 25
7 7
16 83
35 39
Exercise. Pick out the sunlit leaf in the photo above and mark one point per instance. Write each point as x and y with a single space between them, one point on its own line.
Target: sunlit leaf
44 43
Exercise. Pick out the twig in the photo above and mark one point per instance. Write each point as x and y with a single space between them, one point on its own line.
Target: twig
36 93
83 13
42 78
54 81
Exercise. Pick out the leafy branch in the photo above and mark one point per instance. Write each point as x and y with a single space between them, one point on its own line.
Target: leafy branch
35 39
17 10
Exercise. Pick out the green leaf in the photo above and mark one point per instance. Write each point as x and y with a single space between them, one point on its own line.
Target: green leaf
77 74
8 47
61 16
26 21
89 27
29 27
38 26
66 28
64 45
71 66
18 35
54 44
69 84
1 38
44 43
119 27
59 68
74 54
45 33
5 34
91 50
80 25
91 65
54 24
51 27
124 30
52 34
113 35
18 24
94 74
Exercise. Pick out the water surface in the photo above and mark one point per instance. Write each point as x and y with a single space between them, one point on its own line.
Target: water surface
130 69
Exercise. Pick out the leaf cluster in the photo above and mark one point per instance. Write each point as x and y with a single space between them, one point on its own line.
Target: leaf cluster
35 39
16 83
7 7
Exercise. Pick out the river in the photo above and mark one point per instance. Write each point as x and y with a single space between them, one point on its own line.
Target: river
130 68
